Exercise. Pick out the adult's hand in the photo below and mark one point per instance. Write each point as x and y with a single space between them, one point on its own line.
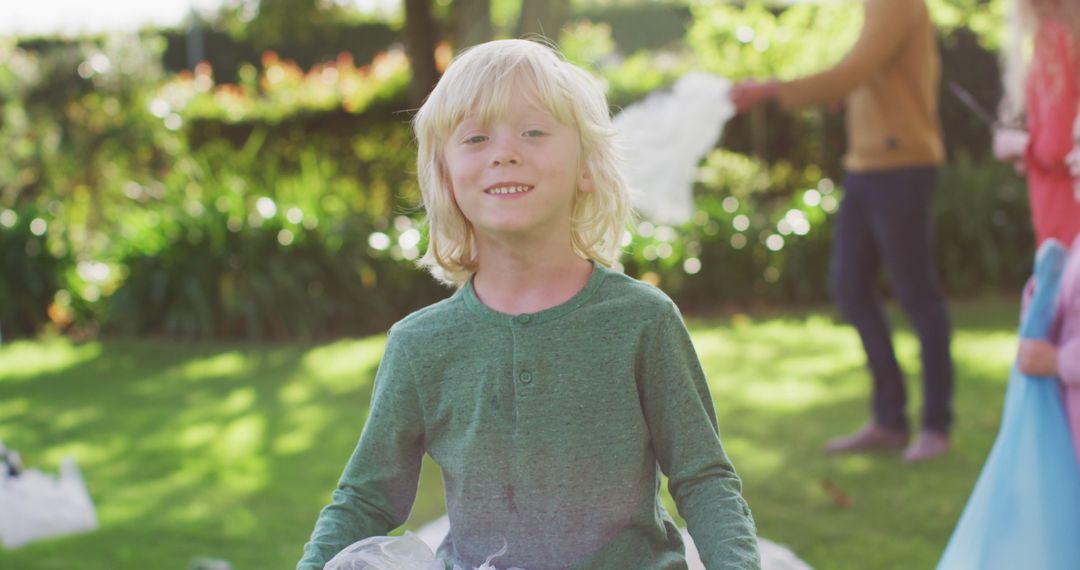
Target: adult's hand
748 94
1010 144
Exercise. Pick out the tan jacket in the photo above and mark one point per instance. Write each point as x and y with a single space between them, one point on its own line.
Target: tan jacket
890 80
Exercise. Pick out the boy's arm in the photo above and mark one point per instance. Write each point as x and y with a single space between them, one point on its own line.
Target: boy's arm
377 489
682 424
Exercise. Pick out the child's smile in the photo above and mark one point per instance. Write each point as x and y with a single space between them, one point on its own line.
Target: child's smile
516 174
508 189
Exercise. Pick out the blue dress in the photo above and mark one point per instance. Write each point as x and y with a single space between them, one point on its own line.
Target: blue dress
1025 509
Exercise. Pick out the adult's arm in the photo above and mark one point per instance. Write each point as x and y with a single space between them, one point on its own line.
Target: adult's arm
885 26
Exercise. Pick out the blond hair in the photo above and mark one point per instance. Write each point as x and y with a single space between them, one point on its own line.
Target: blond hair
479 81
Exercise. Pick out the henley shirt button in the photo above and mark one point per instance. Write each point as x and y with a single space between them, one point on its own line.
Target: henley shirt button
525 377
523 319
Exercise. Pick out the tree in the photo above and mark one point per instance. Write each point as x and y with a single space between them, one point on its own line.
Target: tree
542 17
472 23
421 36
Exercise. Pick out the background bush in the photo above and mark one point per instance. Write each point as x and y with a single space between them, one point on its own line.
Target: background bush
272 195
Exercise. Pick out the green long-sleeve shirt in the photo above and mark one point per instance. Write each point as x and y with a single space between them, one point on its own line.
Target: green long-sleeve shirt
552 430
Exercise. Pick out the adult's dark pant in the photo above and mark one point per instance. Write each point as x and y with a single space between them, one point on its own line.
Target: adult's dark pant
885 220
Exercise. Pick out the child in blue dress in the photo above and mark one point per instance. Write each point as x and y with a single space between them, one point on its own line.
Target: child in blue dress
552 391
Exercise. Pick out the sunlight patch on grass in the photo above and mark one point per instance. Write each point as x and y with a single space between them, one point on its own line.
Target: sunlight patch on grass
158 498
241 467
792 394
304 424
783 365
12 408
84 453
340 366
238 402
227 364
194 511
986 354
27 360
816 364
752 457
122 507
857 464
70 419
295 393
197 435
239 522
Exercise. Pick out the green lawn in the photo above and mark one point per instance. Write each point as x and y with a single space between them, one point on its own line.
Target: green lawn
229 451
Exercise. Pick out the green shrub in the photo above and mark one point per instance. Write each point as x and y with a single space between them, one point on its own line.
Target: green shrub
30 271
241 248
159 192
764 233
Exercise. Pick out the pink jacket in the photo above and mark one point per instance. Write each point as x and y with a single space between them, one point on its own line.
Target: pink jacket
1052 96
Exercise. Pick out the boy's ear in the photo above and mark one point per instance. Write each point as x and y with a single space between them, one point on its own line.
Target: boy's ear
585 181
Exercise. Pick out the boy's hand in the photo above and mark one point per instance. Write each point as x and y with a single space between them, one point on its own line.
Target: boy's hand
750 93
1037 358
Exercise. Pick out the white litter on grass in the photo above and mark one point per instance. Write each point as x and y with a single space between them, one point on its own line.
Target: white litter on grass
34 505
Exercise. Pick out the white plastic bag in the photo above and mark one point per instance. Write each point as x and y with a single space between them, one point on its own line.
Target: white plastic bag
409 552
663 139
34 505
386 553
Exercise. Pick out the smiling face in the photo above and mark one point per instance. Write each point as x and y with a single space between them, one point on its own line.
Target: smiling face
515 141
516 174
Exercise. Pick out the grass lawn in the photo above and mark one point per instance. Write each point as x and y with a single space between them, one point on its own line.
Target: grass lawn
229 451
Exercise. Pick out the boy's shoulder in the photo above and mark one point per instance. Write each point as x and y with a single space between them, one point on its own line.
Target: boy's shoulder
625 289
437 316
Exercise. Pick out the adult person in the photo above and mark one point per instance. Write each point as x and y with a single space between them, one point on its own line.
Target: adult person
889 83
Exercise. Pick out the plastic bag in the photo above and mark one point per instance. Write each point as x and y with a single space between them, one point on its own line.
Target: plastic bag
408 552
34 505
386 553
663 139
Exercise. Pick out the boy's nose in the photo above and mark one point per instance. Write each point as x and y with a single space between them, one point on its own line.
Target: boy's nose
505 155
504 160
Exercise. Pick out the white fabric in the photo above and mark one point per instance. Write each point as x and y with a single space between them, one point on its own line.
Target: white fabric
663 139
773 555
386 553
34 505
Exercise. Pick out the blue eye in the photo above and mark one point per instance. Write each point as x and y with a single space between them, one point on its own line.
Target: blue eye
534 133
475 139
